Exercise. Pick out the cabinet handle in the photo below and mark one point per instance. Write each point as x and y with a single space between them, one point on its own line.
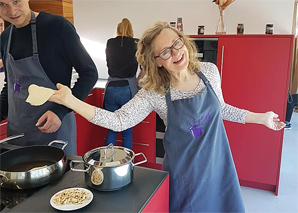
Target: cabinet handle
117 140
145 122
90 94
142 144
222 59
3 124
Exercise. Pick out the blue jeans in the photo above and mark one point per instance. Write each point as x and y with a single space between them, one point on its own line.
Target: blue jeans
115 98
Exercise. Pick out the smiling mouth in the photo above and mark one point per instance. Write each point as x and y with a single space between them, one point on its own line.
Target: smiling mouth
181 58
15 17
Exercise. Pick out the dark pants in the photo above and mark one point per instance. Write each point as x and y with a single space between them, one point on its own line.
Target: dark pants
291 104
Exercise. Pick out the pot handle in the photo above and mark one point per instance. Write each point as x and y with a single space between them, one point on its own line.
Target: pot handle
71 164
3 176
138 163
105 151
60 142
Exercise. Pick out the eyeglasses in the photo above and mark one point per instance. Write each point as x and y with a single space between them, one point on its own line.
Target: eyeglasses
167 53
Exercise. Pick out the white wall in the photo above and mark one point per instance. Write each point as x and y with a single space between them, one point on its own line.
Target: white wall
97 20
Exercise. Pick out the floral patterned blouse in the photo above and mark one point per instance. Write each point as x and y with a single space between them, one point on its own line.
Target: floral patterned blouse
144 102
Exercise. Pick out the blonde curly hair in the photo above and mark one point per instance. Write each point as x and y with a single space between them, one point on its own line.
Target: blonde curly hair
154 78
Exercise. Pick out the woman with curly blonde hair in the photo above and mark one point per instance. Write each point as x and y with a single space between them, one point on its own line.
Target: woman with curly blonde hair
187 96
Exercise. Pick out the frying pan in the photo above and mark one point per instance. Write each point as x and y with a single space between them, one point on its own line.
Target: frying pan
32 166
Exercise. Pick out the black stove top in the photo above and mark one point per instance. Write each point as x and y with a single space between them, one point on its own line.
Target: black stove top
12 197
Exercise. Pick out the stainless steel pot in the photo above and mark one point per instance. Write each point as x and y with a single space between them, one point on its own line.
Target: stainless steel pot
108 168
32 166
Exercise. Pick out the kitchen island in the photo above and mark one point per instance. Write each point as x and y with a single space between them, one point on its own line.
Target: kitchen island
148 192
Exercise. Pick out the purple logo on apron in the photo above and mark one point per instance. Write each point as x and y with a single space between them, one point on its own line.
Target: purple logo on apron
196 130
18 80
16 87
196 126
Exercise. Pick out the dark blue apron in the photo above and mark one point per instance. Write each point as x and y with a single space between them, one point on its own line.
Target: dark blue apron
203 177
22 117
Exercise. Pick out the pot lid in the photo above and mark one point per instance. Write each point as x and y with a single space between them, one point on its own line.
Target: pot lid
108 156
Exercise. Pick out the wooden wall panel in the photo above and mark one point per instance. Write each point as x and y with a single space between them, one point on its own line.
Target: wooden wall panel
58 7
68 9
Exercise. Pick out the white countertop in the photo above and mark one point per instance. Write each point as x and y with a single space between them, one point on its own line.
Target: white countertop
100 84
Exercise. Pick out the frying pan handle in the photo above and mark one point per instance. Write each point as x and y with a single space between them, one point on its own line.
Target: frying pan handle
3 176
71 164
138 163
60 142
12 137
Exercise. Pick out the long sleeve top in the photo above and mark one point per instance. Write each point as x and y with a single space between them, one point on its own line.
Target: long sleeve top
144 102
59 48
120 55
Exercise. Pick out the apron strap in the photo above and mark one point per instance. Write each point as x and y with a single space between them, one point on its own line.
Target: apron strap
200 74
33 30
203 77
9 40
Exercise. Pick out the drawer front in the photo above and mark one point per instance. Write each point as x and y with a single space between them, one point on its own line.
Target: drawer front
144 131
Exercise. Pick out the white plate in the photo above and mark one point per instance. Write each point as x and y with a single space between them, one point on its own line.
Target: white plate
70 207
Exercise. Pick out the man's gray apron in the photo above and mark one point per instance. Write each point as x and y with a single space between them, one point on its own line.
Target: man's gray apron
202 173
22 117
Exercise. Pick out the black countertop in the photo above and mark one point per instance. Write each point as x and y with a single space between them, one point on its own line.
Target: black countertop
132 198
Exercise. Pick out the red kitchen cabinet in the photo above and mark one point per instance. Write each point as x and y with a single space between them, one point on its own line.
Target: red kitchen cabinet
255 72
88 134
3 127
144 136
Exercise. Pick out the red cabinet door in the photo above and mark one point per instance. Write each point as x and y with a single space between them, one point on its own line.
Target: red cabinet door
255 75
144 138
88 134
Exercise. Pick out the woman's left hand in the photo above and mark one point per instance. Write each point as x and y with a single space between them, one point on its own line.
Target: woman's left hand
271 120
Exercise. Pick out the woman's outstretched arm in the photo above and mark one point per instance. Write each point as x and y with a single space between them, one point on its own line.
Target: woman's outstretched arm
64 97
